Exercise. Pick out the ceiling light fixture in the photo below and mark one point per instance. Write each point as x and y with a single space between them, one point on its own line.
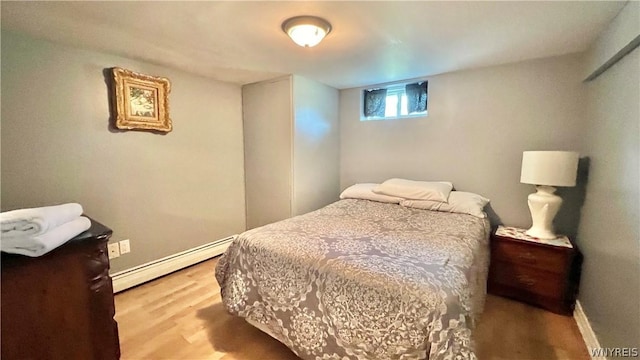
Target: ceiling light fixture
306 31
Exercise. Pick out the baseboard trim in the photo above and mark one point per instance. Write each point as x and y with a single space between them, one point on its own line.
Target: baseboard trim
590 338
129 278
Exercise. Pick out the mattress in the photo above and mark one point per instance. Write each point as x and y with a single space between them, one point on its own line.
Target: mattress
360 279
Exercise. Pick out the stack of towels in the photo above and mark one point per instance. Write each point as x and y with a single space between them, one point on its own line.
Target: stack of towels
35 232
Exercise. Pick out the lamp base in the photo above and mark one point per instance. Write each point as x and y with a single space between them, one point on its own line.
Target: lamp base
543 205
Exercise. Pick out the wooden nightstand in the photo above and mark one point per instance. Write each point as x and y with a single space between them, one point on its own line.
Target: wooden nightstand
545 273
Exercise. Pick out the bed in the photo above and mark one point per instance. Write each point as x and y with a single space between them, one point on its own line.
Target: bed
360 279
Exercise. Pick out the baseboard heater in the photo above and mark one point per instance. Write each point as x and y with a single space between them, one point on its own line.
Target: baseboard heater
126 279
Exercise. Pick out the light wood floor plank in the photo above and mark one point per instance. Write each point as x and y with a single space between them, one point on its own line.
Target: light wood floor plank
180 316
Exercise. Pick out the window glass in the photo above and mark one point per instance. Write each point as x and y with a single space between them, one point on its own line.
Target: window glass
391 109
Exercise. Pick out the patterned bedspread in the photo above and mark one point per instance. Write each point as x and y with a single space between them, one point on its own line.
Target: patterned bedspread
362 280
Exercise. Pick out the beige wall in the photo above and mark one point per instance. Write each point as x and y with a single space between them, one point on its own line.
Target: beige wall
166 193
267 144
609 233
479 123
316 145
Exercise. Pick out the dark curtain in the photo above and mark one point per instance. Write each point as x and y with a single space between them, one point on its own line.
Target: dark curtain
375 102
416 97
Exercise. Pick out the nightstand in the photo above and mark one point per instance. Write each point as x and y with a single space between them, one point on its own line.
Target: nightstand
544 273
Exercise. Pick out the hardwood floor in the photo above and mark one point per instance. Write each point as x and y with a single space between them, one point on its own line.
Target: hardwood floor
180 316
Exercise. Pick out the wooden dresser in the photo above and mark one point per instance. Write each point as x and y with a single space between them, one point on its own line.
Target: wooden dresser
60 305
545 274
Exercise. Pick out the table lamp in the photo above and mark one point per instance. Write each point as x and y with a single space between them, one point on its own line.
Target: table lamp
546 169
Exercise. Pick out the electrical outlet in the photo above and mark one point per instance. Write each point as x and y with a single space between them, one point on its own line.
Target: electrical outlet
114 250
125 247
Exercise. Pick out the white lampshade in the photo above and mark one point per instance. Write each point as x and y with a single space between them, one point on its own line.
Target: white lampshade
306 31
552 168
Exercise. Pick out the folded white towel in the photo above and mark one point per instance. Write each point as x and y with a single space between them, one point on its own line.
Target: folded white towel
37 221
41 244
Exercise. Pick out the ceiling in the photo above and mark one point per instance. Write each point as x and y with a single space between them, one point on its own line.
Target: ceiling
371 42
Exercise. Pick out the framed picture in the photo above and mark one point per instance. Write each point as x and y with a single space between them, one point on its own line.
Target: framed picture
142 101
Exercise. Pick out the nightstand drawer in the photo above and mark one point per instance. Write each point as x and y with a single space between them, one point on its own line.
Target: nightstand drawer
534 256
526 279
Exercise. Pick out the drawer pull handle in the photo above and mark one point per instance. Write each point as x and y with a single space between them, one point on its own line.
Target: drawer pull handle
527 257
524 279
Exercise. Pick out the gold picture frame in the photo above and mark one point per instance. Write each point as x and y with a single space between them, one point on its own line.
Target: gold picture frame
142 101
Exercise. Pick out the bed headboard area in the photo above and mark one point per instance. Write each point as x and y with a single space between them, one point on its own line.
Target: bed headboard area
479 123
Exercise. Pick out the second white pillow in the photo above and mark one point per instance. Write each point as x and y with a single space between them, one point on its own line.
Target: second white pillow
459 202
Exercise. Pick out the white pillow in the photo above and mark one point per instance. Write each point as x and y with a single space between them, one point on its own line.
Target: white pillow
459 202
415 190
364 191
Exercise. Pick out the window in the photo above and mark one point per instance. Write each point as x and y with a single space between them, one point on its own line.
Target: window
395 101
